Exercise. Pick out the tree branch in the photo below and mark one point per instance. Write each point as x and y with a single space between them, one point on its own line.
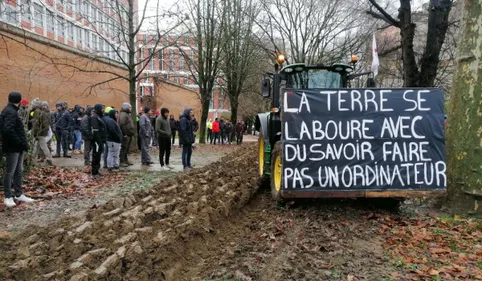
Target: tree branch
383 14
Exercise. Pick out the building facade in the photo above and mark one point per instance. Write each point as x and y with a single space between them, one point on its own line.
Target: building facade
172 62
90 26
64 50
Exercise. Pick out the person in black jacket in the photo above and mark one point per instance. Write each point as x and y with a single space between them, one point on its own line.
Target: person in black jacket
86 132
62 129
186 137
195 126
174 127
98 138
114 139
77 134
14 144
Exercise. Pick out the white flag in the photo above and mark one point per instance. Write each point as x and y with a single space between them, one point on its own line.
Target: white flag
375 61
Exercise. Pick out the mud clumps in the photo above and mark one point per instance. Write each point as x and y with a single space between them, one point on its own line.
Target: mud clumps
139 237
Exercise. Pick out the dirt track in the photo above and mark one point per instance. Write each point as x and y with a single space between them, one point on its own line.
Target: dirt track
209 224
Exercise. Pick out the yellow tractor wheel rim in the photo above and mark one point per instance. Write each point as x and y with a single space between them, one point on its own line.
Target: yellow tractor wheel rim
278 167
261 156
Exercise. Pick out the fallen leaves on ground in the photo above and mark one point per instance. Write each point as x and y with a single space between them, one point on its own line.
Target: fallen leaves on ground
50 182
427 248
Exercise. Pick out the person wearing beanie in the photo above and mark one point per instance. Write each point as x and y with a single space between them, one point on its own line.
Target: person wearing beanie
77 134
14 145
163 132
128 131
23 111
62 127
98 138
106 118
145 130
114 139
41 123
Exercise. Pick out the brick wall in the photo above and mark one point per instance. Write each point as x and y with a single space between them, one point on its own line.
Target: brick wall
38 67
174 97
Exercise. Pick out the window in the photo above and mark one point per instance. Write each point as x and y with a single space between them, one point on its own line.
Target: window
186 79
87 38
70 31
101 45
38 15
176 80
50 21
11 14
95 45
69 4
171 59
79 35
211 101
85 12
151 61
181 63
61 26
161 59
25 10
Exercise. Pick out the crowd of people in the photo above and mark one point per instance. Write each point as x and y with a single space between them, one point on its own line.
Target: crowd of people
223 131
101 131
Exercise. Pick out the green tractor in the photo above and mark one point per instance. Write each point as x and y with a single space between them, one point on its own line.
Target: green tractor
309 180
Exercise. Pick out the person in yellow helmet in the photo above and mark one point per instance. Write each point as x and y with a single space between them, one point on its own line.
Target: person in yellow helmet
209 125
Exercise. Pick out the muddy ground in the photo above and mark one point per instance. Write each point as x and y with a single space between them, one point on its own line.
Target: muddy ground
136 178
214 223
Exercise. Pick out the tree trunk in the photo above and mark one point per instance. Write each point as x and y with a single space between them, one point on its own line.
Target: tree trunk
205 100
438 23
464 130
233 101
407 32
132 71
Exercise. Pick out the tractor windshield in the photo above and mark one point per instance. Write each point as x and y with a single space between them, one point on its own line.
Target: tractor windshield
314 78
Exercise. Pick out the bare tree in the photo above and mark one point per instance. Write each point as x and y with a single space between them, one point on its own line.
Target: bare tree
313 31
424 72
207 18
240 58
109 32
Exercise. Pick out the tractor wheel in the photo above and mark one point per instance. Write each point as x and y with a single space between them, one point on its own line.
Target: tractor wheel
277 172
263 178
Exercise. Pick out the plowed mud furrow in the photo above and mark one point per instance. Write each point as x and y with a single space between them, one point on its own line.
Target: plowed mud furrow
208 224
145 236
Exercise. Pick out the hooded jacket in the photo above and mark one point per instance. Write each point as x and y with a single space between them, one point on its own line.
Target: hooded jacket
145 126
163 125
186 135
239 128
126 124
97 124
40 123
62 120
85 127
216 128
114 133
14 138
76 118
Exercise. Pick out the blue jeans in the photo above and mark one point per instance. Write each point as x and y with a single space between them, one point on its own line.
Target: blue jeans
77 140
186 155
